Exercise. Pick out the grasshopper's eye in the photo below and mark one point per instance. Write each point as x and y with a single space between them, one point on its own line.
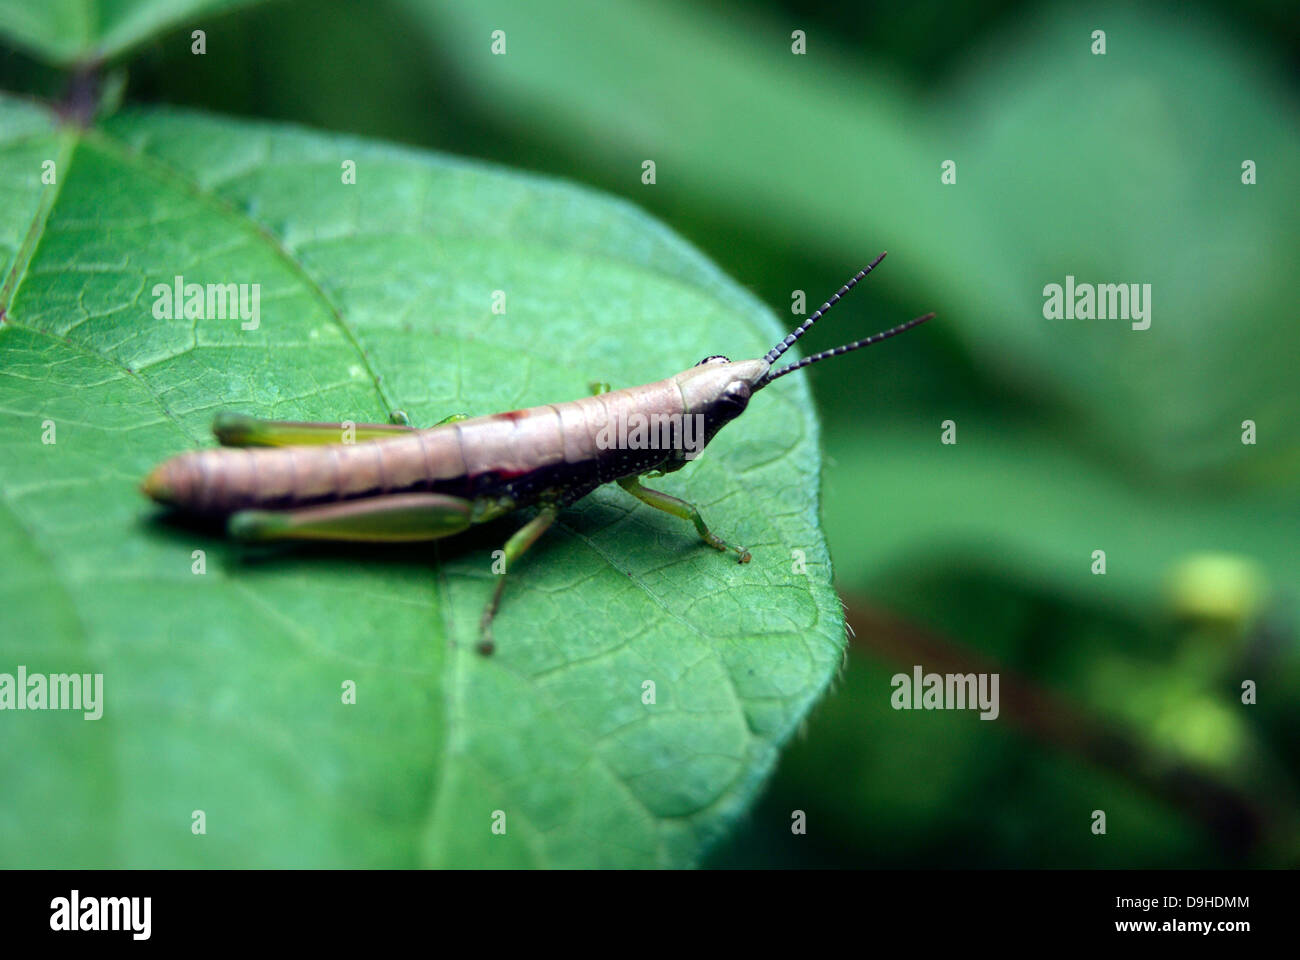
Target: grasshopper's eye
716 358
735 397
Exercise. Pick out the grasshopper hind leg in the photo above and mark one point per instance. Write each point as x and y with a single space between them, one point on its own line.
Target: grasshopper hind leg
395 518
240 430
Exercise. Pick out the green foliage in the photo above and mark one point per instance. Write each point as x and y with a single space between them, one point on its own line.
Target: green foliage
1067 164
791 171
83 31
223 690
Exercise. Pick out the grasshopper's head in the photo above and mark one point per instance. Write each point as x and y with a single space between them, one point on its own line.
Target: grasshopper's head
720 389
722 385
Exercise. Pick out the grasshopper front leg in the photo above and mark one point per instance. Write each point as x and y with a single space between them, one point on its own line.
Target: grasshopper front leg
680 508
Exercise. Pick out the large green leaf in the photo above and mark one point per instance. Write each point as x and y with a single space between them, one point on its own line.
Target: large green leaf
68 31
223 690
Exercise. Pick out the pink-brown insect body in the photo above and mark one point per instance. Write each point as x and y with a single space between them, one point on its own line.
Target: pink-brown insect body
559 452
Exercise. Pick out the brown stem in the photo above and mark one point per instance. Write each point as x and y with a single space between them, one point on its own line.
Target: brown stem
81 100
1234 819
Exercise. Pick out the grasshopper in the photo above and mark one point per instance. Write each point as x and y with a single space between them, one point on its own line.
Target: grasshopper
281 480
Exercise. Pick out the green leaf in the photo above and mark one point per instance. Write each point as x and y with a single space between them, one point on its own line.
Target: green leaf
223 689
78 31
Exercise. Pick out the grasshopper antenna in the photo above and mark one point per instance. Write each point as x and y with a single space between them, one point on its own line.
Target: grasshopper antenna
847 348
774 354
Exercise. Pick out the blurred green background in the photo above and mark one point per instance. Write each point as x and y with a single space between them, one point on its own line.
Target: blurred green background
1119 692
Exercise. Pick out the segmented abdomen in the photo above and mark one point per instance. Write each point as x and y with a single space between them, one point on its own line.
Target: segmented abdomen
523 455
